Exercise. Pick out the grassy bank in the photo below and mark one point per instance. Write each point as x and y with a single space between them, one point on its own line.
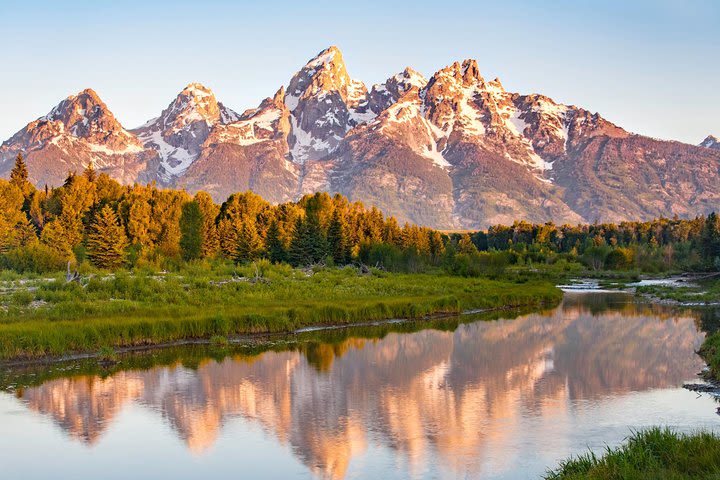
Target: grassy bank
695 292
29 374
51 317
651 454
710 352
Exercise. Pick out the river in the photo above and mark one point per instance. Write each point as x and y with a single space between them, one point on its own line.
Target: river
461 398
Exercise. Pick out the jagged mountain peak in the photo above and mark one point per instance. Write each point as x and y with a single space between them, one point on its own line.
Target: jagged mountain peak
330 55
196 88
180 131
325 102
82 114
383 95
466 72
323 75
78 131
711 141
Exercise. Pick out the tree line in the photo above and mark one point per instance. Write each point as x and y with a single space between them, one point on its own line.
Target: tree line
93 218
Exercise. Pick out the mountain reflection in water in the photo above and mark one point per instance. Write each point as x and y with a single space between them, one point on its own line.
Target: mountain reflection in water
449 397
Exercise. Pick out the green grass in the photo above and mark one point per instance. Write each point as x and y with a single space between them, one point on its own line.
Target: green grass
656 453
144 309
710 352
218 348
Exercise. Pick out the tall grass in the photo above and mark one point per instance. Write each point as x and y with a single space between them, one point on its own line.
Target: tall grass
657 453
144 308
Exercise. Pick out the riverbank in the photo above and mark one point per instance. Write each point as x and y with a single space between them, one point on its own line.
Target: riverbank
50 317
693 291
650 454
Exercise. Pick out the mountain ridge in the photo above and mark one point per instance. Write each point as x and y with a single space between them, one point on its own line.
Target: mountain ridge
452 151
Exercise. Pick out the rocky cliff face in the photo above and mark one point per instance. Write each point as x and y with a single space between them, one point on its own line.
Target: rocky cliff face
452 151
250 153
324 103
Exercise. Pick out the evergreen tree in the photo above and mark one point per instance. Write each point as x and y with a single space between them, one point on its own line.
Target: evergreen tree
710 240
191 231
299 252
90 173
250 244
274 245
308 245
466 246
337 239
211 240
138 222
437 247
19 174
55 237
107 241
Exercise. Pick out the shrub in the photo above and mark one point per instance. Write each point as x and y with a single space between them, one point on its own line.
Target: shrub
33 258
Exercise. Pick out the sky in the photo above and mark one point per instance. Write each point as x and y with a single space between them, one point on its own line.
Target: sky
651 67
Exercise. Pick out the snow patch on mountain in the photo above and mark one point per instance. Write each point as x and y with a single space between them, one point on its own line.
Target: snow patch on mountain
711 141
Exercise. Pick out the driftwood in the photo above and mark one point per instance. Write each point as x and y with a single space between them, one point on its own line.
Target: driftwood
257 278
71 277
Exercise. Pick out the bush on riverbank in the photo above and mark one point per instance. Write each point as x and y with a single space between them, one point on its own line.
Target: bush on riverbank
651 454
54 317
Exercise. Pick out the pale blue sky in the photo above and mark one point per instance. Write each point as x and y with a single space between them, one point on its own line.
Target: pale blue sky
650 66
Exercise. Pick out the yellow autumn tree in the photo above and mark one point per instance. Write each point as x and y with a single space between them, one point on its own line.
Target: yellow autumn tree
107 241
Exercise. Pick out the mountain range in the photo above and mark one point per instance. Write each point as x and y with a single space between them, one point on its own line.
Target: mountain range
455 151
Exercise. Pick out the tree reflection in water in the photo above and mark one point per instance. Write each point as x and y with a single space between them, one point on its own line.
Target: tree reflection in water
447 392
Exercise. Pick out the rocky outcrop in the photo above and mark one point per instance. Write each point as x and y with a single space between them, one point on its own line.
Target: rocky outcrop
250 153
711 141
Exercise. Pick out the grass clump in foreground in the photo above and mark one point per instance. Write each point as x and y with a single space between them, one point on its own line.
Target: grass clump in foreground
145 308
657 453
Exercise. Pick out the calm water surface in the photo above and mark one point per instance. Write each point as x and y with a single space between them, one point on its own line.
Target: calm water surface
500 399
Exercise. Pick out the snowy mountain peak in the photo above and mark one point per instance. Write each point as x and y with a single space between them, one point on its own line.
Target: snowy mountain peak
180 131
711 141
80 130
328 56
325 102
385 94
324 74
83 116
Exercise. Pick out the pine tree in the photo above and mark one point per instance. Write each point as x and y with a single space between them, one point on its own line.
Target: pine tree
299 252
138 222
308 244
55 237
337 239
274 245
466 246
107 241
250 244
437 247
710 240
90 173
19 174
211 241
191 231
